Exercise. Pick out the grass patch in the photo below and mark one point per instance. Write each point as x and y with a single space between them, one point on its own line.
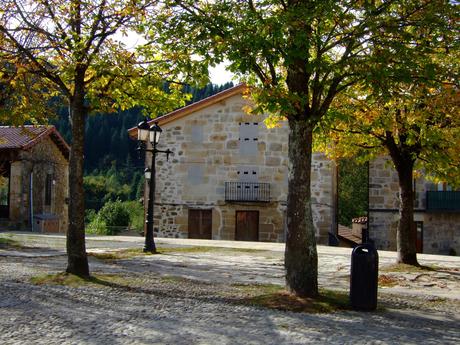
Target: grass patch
133 252
186 249
205 249
404 268
67 279
438 301
6 243
119 254
257 289
387 281
175 279
276 297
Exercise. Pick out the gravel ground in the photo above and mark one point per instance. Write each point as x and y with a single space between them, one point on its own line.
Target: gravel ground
147 306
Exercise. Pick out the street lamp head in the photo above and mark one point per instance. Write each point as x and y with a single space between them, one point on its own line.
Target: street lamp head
147 173
143 129
155 132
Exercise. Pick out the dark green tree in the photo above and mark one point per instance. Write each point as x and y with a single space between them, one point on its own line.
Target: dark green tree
352 190
297 55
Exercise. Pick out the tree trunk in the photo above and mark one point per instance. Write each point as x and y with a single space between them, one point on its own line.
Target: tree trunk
76 249
406 235
300 258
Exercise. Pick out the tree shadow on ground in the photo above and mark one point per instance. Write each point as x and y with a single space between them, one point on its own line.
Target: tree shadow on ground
153 315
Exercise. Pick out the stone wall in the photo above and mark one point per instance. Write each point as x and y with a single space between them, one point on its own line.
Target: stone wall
323 195
221 143
441 230
441 233
382 229
42 159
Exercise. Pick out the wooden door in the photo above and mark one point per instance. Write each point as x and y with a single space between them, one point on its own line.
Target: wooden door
247 226
200 224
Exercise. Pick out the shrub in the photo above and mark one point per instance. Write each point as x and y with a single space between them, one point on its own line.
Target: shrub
114 216
136 214
90 215
114 213
97 227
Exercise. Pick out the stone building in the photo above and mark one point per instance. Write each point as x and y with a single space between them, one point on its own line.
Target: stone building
33 179
227 176
437 211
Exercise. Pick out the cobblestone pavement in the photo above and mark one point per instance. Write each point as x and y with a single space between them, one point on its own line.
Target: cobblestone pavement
150 305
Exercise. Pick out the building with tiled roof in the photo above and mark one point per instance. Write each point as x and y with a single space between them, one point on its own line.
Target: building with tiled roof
33 178
436 211
227 179
228 175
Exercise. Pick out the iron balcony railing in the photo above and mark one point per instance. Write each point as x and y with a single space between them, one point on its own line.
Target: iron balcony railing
443 201
247 191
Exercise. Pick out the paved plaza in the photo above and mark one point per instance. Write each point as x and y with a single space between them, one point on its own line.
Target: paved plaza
187 297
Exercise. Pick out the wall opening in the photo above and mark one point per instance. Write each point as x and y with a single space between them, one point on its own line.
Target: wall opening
5 168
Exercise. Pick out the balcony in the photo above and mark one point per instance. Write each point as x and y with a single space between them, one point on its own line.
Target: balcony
247 192
443 201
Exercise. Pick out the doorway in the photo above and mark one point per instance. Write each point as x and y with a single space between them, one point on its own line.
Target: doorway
5 189
247 226
200 224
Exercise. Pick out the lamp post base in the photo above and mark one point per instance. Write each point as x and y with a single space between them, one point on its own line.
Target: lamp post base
149 250
149 246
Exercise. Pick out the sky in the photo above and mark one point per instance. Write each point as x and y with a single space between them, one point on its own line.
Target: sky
219 75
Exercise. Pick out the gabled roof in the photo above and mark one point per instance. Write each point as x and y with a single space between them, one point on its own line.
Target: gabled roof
191 108
25 137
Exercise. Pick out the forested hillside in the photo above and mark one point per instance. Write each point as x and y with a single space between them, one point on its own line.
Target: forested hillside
113 169
107 141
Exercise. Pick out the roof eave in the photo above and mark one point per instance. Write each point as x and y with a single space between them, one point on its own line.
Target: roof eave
194 107
52 132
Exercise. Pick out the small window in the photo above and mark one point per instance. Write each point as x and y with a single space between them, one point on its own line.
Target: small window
195 174
48 188
248 174
197 134
248 136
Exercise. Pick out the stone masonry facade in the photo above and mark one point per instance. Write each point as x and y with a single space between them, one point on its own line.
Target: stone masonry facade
44 160
221 143
438 231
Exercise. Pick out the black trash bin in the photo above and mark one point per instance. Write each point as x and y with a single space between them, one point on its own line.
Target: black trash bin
364 277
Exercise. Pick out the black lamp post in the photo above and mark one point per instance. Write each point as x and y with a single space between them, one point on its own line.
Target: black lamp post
152 134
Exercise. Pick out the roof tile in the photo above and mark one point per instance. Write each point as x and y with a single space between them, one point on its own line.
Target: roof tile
24 137
19 137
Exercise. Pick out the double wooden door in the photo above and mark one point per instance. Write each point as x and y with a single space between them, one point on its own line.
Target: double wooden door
200 224
247 226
